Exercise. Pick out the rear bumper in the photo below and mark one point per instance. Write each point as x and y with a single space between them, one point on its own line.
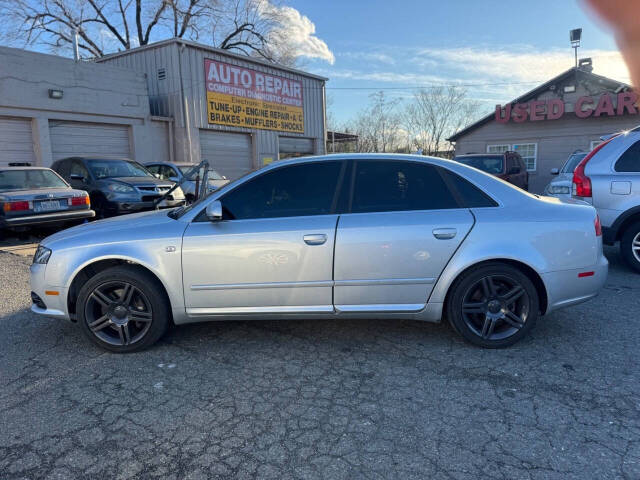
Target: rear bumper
47 218
566 288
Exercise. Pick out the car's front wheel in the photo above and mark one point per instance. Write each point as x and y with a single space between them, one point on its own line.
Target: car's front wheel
493 305
630 246
123 309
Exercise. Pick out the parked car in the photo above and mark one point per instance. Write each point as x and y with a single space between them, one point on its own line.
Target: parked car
36 196
508 166
176 171
350 236
117 186
560 187
609 179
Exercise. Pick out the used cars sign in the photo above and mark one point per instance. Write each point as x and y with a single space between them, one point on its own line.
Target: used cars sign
243 97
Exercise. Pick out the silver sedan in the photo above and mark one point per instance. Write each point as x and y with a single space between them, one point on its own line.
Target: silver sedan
345 236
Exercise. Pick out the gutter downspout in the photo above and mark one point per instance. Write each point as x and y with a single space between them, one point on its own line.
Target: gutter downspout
185 105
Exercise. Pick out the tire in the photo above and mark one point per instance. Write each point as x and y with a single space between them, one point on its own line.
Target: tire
493 305
123 309
631 239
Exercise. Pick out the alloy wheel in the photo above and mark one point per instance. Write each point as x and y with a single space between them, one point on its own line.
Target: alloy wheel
496 307
635 246
118 313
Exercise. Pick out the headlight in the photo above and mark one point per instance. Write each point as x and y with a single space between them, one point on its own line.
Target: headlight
559 189
120 188
42 255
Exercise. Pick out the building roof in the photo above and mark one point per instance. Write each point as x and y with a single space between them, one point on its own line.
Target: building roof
341 137
585 74
201 46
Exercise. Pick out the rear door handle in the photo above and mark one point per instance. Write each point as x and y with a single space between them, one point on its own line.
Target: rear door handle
444 233
315 239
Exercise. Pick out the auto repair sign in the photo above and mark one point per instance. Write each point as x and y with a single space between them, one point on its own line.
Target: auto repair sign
243 97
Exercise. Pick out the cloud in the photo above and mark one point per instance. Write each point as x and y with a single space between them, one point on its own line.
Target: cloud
368 56
298 30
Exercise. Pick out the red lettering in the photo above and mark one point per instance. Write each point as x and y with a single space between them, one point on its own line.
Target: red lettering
536 112
627 101
520 113
605 105
555 109
579 111
507 113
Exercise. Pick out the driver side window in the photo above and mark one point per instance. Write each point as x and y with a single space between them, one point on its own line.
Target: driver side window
296 190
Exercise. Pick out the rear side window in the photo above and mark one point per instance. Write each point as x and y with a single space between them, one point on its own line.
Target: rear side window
470 196
62 167
382 186
629 161
296 190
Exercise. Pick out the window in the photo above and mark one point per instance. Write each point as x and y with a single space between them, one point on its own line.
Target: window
528 152
116 168
297 190
492 164
470 195
629 161
498 148
77 168
154 169
396 186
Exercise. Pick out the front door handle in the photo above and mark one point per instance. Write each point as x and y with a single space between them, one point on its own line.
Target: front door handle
315 239
444 233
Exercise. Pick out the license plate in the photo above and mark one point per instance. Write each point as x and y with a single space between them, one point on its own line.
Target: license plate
49 205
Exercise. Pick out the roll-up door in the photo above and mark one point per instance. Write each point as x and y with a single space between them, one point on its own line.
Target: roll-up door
229 154
79 139
16 141
295 147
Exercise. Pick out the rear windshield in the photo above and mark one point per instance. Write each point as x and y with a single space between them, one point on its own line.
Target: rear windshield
487 163
29 180
116 168
573 161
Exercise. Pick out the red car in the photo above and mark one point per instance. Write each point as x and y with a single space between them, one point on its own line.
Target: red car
508 166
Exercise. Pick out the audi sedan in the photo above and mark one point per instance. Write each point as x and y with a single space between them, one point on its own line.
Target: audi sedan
338 236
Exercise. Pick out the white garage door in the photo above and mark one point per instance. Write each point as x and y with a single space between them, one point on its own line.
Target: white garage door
229 154
295 147
79 139
16 141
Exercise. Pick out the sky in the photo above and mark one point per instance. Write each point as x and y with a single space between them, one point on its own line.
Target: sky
497 49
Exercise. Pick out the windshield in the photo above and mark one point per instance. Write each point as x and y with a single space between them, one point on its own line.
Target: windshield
116 168
573 161
212 175
29 179
490 163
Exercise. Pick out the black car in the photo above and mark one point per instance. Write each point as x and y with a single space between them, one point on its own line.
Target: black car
117 186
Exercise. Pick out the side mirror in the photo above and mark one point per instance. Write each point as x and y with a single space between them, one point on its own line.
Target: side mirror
76 176
214 211
555 171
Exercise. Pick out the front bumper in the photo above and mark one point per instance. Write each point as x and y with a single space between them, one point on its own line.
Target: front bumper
55 305
566 288
46 218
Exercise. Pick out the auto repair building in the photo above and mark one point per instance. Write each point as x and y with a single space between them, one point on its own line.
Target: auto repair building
174 100
569 112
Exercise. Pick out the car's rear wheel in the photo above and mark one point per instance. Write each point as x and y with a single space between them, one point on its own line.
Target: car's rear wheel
630 246
123 309
493 305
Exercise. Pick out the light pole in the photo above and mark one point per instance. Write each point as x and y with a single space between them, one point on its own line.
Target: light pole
574 36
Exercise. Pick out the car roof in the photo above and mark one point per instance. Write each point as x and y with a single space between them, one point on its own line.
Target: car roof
481 154
102 159
24 168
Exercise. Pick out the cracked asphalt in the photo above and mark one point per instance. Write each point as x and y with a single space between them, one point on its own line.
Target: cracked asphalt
323 399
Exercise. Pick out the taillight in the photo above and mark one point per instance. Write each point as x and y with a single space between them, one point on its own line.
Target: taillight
78 201
582 183
15 206
598 226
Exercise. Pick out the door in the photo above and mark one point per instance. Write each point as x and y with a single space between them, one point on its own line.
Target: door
78 175
273 250
16 140
80 139
404 226
228 153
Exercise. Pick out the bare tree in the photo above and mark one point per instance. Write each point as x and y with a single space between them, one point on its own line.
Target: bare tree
435 114
378 125
105 26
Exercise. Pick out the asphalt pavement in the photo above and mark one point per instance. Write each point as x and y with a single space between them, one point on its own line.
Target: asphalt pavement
323 399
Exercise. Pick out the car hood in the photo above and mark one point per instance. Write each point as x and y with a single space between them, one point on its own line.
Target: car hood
138 181
134 227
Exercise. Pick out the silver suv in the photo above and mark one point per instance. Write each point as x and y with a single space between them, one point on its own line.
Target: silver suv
609 179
